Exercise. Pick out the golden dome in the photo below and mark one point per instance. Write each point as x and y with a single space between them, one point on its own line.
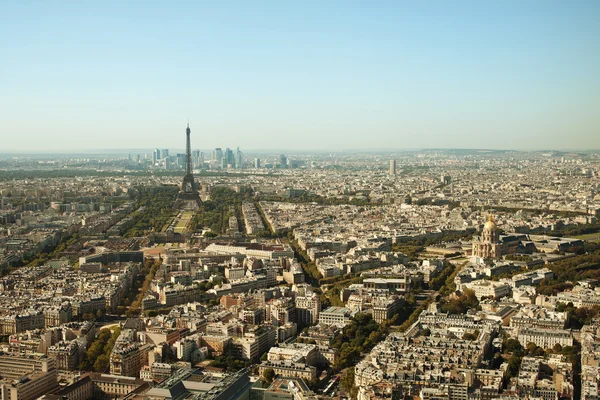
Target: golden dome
490 224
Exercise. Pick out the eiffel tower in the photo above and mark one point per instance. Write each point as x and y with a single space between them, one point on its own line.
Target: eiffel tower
188 197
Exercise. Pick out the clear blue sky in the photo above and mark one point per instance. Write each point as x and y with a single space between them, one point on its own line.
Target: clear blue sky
300 74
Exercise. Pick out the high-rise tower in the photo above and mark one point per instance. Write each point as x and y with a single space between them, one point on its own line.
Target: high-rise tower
188 152
188 195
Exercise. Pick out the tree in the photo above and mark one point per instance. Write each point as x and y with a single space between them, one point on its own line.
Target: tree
460 305
102 346
513 346
101 363
496 361
471 335
557 348
268 375
531 347
514 364
347 382
88 317
410 299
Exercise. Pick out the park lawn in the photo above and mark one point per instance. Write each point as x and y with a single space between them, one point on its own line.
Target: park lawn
590 237
184 221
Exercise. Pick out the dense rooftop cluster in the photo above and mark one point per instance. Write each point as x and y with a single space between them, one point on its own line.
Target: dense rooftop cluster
451 276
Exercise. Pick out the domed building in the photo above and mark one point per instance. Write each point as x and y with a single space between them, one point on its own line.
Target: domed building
488 245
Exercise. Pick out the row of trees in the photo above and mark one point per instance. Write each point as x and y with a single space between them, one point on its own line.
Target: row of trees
362 334
158 210
141 285
514 353
576 230
313 198
268 232
224 203
436 238
230 363
347 382
447 277
410 250
534 211
578 316
76 173
439 281
412 318
57 173
97 356
359 336
51 252
313 276
579 267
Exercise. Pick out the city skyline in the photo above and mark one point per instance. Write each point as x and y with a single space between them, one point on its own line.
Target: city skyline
434 274
336 76
333 200
275 152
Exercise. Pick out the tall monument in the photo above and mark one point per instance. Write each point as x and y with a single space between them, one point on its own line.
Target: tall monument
188 196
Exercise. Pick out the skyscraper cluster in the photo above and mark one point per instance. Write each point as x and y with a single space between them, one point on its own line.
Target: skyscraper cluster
162 159
228 159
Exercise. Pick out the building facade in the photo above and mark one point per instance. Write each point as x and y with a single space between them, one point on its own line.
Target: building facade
488 245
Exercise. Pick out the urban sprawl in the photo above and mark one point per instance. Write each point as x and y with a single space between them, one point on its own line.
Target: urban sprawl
432 274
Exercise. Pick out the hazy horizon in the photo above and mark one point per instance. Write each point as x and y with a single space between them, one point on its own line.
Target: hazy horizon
274 152
311 76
